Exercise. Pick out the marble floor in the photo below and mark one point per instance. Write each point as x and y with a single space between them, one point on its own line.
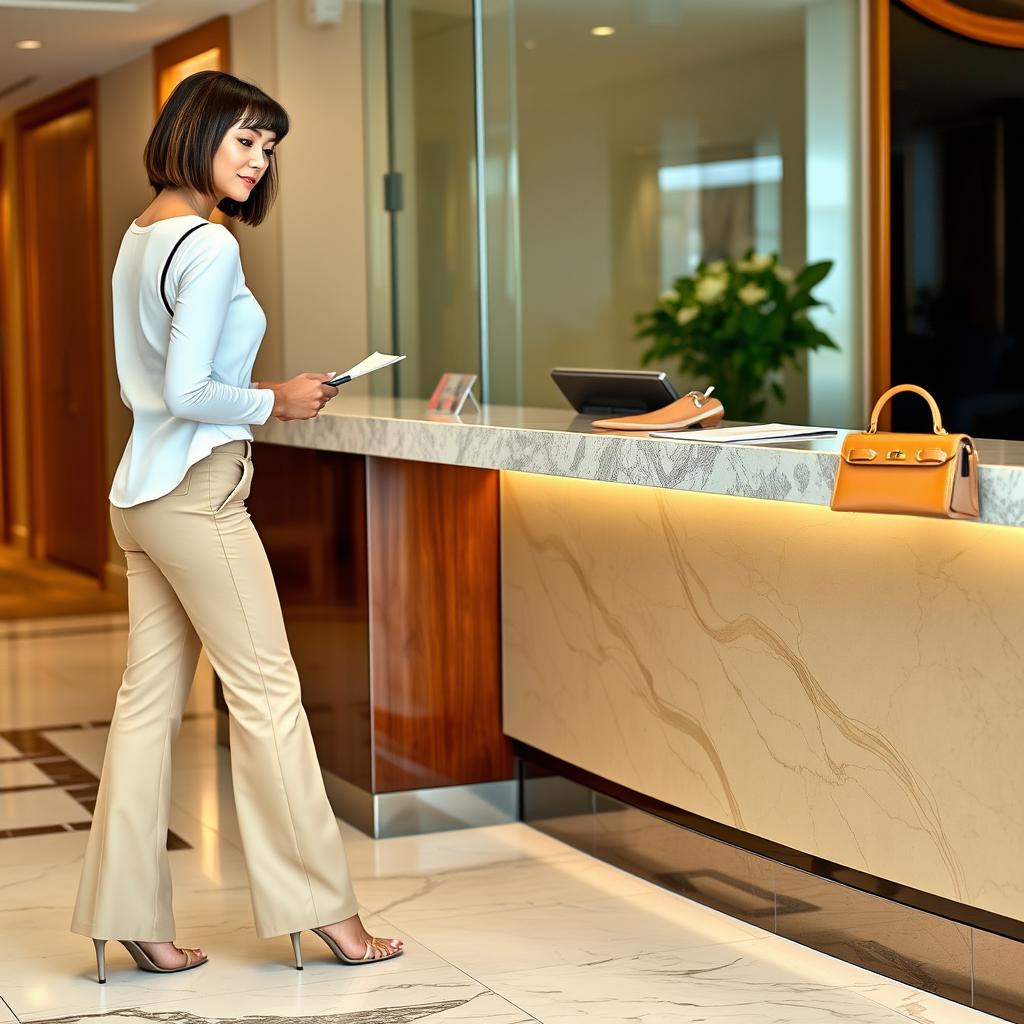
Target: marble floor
501 924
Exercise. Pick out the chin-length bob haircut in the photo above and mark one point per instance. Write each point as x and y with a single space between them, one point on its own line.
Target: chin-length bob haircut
190 128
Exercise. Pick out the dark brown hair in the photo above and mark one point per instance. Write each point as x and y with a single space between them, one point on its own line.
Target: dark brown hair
190 128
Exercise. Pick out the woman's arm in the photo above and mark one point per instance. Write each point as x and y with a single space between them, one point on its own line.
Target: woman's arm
206 284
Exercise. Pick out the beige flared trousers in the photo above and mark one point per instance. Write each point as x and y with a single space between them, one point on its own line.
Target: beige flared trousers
198 575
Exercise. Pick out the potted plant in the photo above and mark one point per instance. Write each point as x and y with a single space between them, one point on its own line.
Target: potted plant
736 323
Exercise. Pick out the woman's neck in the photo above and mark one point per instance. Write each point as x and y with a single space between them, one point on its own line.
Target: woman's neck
176 202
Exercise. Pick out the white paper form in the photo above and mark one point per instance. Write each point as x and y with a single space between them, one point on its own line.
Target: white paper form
376 361
746 435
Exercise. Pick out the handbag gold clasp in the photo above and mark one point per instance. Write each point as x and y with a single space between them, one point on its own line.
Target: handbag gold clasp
896 455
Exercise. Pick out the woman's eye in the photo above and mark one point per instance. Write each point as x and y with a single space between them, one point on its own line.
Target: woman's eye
269 153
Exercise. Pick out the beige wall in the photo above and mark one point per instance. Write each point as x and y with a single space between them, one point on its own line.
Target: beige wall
322 202
125 98
254 58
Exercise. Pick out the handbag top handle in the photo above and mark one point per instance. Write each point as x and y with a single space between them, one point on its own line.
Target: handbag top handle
880 404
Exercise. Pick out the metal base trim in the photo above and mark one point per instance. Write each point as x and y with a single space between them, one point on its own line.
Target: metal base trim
419 811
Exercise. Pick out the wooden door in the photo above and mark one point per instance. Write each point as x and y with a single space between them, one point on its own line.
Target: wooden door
64 397
5 494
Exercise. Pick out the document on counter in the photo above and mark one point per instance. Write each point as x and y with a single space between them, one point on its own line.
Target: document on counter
749 434
377 361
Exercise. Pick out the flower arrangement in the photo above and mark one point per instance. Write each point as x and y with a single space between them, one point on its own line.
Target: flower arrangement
735 323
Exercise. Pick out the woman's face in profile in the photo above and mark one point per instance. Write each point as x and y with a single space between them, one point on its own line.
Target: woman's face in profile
242 158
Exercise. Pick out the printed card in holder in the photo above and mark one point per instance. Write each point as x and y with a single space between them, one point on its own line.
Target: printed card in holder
451 393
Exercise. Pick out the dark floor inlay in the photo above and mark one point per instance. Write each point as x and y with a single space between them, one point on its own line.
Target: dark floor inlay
383 1015
64 773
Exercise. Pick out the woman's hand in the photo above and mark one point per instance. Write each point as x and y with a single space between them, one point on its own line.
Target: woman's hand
302 397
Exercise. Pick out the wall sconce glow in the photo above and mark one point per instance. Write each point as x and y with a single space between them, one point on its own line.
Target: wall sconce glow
28 44
720 174
602 30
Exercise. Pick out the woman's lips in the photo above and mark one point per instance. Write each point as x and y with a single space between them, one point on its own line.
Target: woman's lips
249 181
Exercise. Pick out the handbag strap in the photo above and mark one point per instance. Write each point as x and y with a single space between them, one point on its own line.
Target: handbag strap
167 263
880 404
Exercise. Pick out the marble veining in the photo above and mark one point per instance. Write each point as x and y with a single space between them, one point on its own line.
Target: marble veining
847 688
553 442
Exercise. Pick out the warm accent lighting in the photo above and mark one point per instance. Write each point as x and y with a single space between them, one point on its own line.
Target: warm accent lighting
602 30
28 44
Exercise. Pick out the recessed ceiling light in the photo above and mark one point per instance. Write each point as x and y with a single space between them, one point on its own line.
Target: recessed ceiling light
602 30
28 44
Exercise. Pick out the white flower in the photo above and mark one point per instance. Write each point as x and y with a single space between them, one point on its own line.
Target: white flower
751 294
669 295
784 274
715 268
686 314
758 261
711 289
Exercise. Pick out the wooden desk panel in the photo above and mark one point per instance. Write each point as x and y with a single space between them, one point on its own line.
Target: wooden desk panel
310 510
435 625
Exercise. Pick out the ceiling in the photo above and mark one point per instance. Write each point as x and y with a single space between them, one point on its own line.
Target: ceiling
87 40
652 38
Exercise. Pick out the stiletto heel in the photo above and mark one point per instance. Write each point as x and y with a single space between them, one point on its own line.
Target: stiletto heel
139 955
101 960
297 949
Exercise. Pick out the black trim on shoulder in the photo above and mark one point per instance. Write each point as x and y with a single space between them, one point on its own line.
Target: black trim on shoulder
167 264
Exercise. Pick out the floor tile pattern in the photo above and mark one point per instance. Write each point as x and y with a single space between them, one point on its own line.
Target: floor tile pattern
502 925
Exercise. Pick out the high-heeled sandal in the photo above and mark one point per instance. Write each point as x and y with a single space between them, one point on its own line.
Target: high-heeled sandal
140 956
373 944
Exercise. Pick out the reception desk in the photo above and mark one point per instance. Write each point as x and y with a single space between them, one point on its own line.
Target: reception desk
808 719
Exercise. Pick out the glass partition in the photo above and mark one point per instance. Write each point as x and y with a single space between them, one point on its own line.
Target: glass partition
418 71
624 143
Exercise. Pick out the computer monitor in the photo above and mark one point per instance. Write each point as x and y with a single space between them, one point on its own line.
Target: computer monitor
614 392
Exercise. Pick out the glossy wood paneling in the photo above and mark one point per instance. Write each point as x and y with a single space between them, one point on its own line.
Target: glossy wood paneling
310 511
435 632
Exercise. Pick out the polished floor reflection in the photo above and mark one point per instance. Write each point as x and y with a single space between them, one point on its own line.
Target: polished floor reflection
501 924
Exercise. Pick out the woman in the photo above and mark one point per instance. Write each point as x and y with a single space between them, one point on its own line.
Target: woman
186 333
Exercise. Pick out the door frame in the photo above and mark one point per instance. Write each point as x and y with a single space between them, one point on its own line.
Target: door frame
5 343
984 28
213 34
82 95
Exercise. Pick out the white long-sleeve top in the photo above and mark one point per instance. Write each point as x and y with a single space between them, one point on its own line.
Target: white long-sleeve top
186 377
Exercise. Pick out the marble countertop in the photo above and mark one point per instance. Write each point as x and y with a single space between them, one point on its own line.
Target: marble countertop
559 442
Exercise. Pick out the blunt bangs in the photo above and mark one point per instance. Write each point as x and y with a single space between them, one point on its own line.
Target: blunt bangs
190 128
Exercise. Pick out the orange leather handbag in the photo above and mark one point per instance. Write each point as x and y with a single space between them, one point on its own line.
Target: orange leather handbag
915 474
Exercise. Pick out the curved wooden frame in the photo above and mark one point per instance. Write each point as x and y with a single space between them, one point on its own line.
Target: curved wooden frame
986 28
946 14
879 200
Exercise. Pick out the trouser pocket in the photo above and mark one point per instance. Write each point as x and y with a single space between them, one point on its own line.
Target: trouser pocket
239 490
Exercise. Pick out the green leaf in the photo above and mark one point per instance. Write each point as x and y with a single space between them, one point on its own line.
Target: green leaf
812 274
